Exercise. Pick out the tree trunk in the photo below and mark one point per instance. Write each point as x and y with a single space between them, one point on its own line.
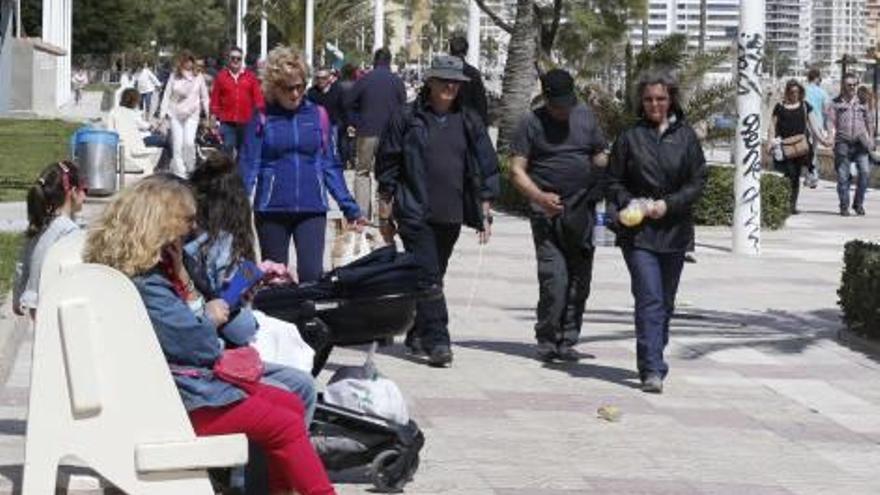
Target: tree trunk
520 74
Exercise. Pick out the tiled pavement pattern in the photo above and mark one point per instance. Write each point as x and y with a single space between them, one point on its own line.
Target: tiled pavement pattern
762 398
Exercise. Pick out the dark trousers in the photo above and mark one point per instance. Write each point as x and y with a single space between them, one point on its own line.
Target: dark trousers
655 278
792 170
275 230
431 244
156 140
233 137
564 276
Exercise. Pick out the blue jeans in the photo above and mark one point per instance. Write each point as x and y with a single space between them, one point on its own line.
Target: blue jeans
293 380
147 101
275 230
844 154
654 278
233 137
156 140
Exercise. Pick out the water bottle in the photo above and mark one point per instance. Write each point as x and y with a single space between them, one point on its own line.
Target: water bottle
777 150
602 236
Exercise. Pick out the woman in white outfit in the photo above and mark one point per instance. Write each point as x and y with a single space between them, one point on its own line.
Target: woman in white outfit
146 83
186 94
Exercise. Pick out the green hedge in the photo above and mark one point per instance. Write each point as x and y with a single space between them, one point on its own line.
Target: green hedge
10 248
716 205
511 200
860 288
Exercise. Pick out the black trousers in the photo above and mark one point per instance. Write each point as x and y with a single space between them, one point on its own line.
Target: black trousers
564 276
432 245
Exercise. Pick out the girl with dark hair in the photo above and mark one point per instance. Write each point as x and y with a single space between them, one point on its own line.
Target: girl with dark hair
657 168
223 243
793 121
52 204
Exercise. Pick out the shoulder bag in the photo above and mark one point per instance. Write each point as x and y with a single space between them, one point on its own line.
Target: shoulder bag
797 145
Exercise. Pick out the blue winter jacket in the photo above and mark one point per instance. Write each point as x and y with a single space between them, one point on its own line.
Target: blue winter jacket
291 162
189 342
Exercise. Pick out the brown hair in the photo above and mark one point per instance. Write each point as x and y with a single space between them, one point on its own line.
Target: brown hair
182 58
130 98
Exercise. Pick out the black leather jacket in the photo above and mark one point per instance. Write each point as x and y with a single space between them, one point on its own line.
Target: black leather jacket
400 166
671 167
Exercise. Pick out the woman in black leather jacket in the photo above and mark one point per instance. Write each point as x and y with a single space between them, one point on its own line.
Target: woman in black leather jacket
658 168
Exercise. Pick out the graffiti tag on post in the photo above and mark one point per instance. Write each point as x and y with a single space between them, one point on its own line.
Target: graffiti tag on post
750 60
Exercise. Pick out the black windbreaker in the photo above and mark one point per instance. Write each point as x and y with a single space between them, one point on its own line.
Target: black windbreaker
401 173
671 167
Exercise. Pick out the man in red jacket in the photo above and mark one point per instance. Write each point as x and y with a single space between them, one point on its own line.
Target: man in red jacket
235 94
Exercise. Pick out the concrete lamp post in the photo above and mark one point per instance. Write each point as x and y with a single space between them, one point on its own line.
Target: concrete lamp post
749 129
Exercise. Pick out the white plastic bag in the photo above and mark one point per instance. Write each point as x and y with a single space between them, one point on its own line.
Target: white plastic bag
279 342
362 389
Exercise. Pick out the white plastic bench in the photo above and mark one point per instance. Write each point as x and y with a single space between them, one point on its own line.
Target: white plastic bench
101 390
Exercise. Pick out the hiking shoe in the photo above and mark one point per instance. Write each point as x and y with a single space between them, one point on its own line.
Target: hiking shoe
440 356
567 353
689 258
844 211
860 211
546 352
653 384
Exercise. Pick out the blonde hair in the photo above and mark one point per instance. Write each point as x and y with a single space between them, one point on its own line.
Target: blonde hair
135 227
282 62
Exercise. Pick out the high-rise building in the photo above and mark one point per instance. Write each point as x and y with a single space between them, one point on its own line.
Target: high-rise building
839 29
683 16
872 24
789 29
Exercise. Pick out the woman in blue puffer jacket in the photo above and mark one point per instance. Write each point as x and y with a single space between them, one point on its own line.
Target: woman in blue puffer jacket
289 163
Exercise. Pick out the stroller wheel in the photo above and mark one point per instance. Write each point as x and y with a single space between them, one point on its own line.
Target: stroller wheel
413 467
385 478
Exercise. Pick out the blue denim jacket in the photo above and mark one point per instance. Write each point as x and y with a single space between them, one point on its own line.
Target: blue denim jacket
218 266
291 163
189 342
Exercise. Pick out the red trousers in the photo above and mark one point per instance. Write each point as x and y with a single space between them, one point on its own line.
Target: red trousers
273 418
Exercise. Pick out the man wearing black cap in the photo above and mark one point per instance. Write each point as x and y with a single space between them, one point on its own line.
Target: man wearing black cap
436 170
557 161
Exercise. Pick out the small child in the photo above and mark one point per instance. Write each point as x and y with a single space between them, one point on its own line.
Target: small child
52 204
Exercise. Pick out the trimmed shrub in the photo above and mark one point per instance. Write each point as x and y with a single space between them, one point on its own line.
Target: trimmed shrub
716 205
860 288
511 200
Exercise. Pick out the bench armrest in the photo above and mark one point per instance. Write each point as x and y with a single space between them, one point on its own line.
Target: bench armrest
201 453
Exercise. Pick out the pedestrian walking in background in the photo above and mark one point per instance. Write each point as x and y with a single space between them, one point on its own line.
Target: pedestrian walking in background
796 133
820 102
326 91
79 81
473 92
235 96
374 99
437 171
656 166
146 83
558 159
290 164
186 95
345 83
852 127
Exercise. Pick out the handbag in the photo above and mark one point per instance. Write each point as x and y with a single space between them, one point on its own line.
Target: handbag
797 145
239 366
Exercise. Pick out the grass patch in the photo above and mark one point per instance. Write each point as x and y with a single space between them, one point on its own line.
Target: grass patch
26 146
10 247
100 87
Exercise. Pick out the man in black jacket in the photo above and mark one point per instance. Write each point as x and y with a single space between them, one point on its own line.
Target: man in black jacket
473 93
374 99
437 171
557 161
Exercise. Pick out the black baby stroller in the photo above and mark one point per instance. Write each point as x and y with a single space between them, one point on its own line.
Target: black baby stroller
371 299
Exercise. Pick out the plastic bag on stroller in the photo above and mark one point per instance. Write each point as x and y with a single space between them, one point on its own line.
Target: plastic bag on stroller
363 389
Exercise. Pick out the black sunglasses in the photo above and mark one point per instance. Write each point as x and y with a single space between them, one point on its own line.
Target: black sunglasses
235 59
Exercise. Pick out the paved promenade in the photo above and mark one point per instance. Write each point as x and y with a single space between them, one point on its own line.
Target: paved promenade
762 397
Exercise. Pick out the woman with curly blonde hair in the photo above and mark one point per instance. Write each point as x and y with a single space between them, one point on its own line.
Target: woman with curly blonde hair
292 162
141 234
